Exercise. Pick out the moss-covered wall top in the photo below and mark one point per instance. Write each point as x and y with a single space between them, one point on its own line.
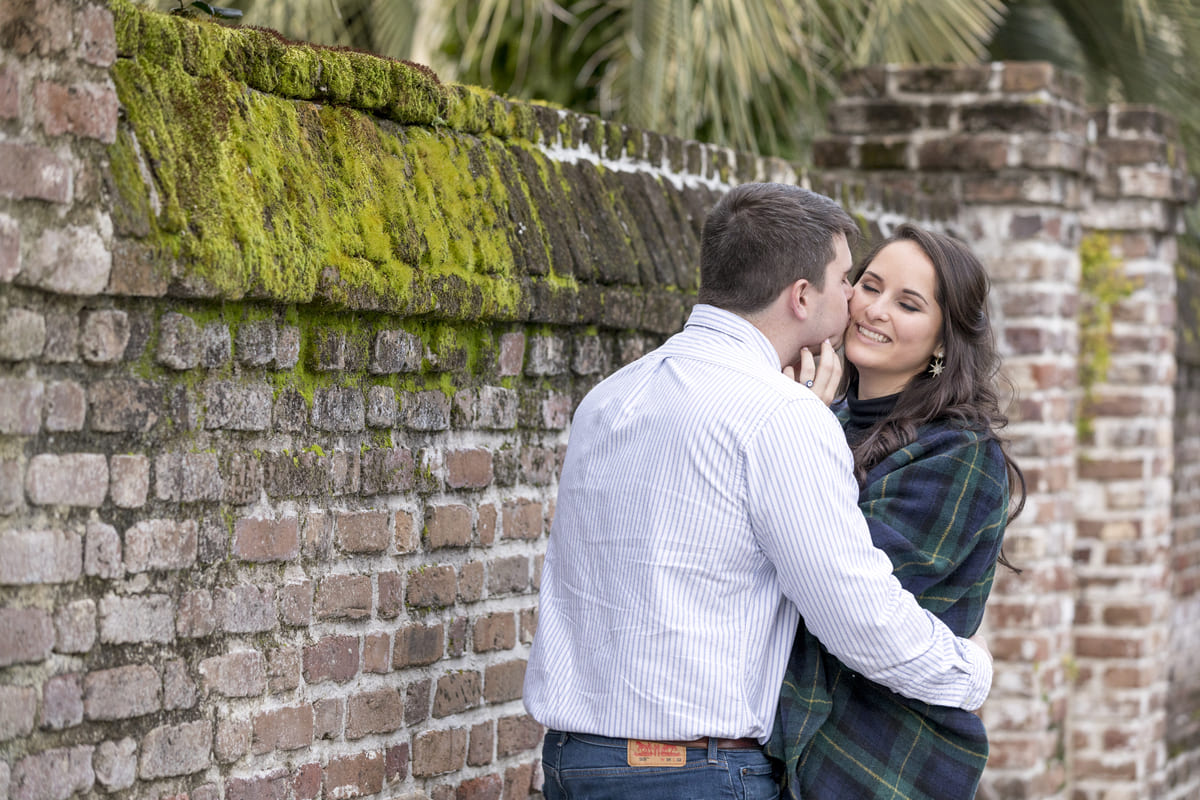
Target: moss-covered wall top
249 166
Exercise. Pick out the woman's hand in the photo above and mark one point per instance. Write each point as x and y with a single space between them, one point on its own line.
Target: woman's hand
821 376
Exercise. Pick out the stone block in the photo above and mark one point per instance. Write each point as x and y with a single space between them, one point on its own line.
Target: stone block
470 582
22 334
425 411
26 635
245 608
75 626
377 653
238 674
215 344
291 411
387 471
161 544
74 479
329 714
65 405
40 556
339 409
97 36
73 260
273 785
187 477
256 343
129 480
287 347
179 690
124 405
104 336
335 350
180 345
283 669
87 110
21 411
102 551
137 269
381 407
121 692
237 407
296 604
62 702
53 774
12 486
232 739
396 351
116 764
390 594
496 408
136 619
62 338
512 354
171 750
548 355
18 706
34 173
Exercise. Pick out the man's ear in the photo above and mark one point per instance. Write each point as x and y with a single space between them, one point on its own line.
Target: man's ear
799 295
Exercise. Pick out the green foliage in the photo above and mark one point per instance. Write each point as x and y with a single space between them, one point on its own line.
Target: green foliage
1103 285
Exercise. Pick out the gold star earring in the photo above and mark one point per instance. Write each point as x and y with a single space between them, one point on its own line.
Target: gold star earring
938 364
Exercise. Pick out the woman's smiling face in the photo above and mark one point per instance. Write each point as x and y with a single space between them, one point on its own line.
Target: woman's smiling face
895 320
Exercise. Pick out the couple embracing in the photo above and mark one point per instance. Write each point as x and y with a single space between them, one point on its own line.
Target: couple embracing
745 594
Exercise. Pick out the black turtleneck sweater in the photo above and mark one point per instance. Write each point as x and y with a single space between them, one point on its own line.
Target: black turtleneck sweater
865 413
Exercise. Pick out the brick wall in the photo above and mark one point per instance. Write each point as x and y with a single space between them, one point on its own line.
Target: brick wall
277 465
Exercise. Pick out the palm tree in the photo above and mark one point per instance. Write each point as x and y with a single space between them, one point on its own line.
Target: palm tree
753 75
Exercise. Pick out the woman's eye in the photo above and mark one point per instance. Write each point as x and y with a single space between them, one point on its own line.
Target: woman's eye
908 307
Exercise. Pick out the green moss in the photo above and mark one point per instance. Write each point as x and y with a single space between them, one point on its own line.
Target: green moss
1102 286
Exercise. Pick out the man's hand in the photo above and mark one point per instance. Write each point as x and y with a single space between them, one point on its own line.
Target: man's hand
822 376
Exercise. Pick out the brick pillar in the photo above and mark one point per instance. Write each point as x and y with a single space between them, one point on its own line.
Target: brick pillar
1123 533
997 154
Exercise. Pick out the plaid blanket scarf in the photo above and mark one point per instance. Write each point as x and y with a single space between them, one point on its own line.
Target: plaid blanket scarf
938 507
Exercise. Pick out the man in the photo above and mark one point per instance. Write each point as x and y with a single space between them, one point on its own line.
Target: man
706 503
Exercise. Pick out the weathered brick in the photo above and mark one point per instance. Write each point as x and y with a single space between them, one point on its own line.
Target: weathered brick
396 351
456 692
468 469
417 645
447 526
387 471
418 699
129 480
517 734
332 658
266 539
377 652
179 342
256 343
137 269
115 764
407 539
556 411
548 355
485 523
62 338
10 92
283 669
335 350
73 260
432 586
362 531
425 411
12 485
485 787
470 582
102 551
381 407
354 775
502 682
179 690
74 479
456 637
18 705
237 407
22 334
496 408
496 631
187 477
379 711
291 410
508 575
396 760
439 752
329 715
306 782
296 604
344 472
512 354
84 109
344 597
34 173
124 405
40 556
215 345
245 608
528 625
522 519
172 750
239 674
390 589
160 544
104 336
232 740
65 405
518 782
304 473
121 692
75 626
139 618
339 409
197 617
21 412
287 728
481 744
97 37
53 774
273 785
62 702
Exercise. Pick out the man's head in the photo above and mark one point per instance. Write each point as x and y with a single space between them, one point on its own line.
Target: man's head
762 237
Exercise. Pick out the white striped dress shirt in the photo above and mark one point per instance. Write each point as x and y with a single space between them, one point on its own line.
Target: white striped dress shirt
706 502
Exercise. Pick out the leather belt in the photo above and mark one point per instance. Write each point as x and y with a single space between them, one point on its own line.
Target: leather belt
722 744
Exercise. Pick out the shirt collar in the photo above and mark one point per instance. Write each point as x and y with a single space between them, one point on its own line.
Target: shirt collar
739 328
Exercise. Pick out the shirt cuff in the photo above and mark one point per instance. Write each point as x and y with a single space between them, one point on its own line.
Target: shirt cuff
981 674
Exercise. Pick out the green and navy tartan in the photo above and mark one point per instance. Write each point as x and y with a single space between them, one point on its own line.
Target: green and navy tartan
938 507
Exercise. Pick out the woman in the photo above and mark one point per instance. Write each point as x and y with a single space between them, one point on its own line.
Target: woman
922 419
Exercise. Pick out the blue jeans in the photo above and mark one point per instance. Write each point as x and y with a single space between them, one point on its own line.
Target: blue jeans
585 767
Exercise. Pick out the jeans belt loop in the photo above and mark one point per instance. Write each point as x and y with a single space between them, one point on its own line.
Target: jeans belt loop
712 750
